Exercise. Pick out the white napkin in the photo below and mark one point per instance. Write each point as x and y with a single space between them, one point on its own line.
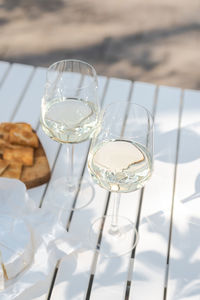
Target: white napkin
51 241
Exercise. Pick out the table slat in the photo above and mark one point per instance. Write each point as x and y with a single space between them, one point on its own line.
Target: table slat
31 101
144 94
12 90
184 264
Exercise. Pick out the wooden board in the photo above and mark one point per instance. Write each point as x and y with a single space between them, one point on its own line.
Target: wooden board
39 173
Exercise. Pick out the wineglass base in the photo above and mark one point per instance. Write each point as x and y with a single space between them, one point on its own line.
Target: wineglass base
113 243
71 196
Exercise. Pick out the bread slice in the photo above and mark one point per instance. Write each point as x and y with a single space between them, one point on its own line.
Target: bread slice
14 170
4 130
6 127
22 136
3 165
23 155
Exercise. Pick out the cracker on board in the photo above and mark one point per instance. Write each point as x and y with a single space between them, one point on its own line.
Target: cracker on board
22 136
23 155
13 171
5 128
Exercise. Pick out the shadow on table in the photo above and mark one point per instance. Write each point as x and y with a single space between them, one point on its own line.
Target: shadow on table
186 281
189 150
196 194
112 271
185 268
184 264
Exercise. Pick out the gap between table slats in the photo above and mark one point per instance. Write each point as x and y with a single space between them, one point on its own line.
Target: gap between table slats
173 194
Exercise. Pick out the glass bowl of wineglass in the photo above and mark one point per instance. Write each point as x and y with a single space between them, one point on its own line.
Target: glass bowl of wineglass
120 160
70 115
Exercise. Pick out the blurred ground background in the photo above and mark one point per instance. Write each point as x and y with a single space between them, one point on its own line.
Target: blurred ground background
155 41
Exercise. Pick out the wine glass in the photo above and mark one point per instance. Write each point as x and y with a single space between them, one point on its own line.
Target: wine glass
70 115
120 160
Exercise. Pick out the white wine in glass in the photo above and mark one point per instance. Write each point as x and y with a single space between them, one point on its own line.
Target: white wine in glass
69 115
71 120
120 165
120 160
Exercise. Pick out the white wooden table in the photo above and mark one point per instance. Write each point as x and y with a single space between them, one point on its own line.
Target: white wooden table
166 262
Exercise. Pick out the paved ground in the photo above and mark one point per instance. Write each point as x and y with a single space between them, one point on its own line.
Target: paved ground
154 41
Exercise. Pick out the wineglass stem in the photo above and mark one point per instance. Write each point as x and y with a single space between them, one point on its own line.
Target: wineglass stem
114 228
70 167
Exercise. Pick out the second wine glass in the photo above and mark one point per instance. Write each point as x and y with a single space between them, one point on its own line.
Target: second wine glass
70 113
120 161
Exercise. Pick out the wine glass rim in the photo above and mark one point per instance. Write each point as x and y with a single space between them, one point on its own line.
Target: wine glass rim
78 61
135 104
